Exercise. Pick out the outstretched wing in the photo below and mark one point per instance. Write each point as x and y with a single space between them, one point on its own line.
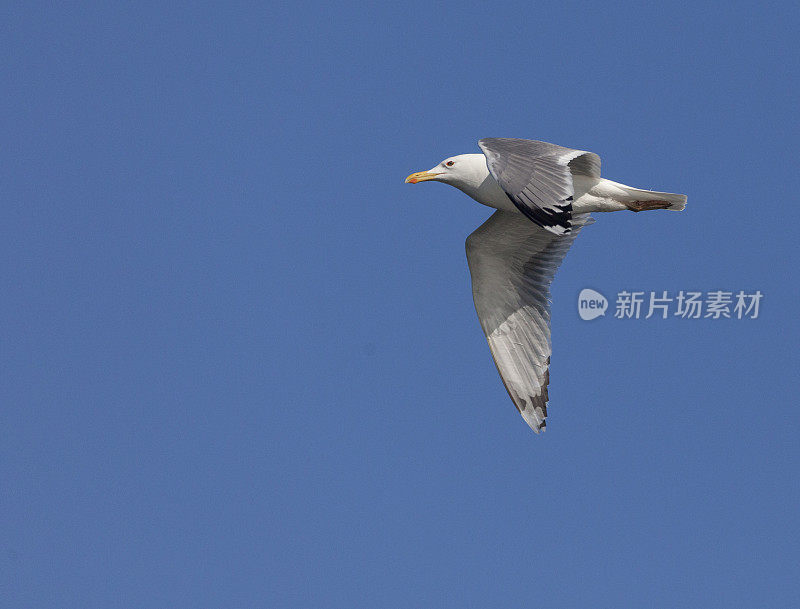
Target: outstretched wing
512 264
537 177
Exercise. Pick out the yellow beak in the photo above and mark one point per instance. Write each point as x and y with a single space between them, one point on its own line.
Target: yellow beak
421 176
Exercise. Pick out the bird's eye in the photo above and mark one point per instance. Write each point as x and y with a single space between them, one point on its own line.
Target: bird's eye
450 163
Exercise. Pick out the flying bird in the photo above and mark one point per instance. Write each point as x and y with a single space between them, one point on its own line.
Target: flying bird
543 194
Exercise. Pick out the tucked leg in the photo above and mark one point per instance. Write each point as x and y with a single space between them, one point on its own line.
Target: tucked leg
646 205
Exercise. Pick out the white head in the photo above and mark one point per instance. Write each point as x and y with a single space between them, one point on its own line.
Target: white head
465 171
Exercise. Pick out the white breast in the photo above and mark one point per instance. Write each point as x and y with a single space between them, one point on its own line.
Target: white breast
489 193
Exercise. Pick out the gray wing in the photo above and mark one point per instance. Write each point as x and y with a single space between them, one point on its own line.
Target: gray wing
512 264
537 177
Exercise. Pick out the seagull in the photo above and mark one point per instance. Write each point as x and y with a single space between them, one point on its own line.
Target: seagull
543 194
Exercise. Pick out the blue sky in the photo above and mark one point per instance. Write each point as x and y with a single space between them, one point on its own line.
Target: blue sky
240 365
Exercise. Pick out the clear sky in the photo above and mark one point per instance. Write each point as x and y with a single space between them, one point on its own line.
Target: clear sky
240 365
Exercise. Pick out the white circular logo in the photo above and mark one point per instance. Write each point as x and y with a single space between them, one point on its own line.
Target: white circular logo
591 304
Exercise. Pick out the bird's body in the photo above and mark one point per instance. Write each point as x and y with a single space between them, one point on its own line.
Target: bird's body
544 194
591 194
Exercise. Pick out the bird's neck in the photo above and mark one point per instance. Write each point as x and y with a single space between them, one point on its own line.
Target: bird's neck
479 184
472 175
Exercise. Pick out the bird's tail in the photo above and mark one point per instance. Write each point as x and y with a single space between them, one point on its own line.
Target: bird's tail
677 202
